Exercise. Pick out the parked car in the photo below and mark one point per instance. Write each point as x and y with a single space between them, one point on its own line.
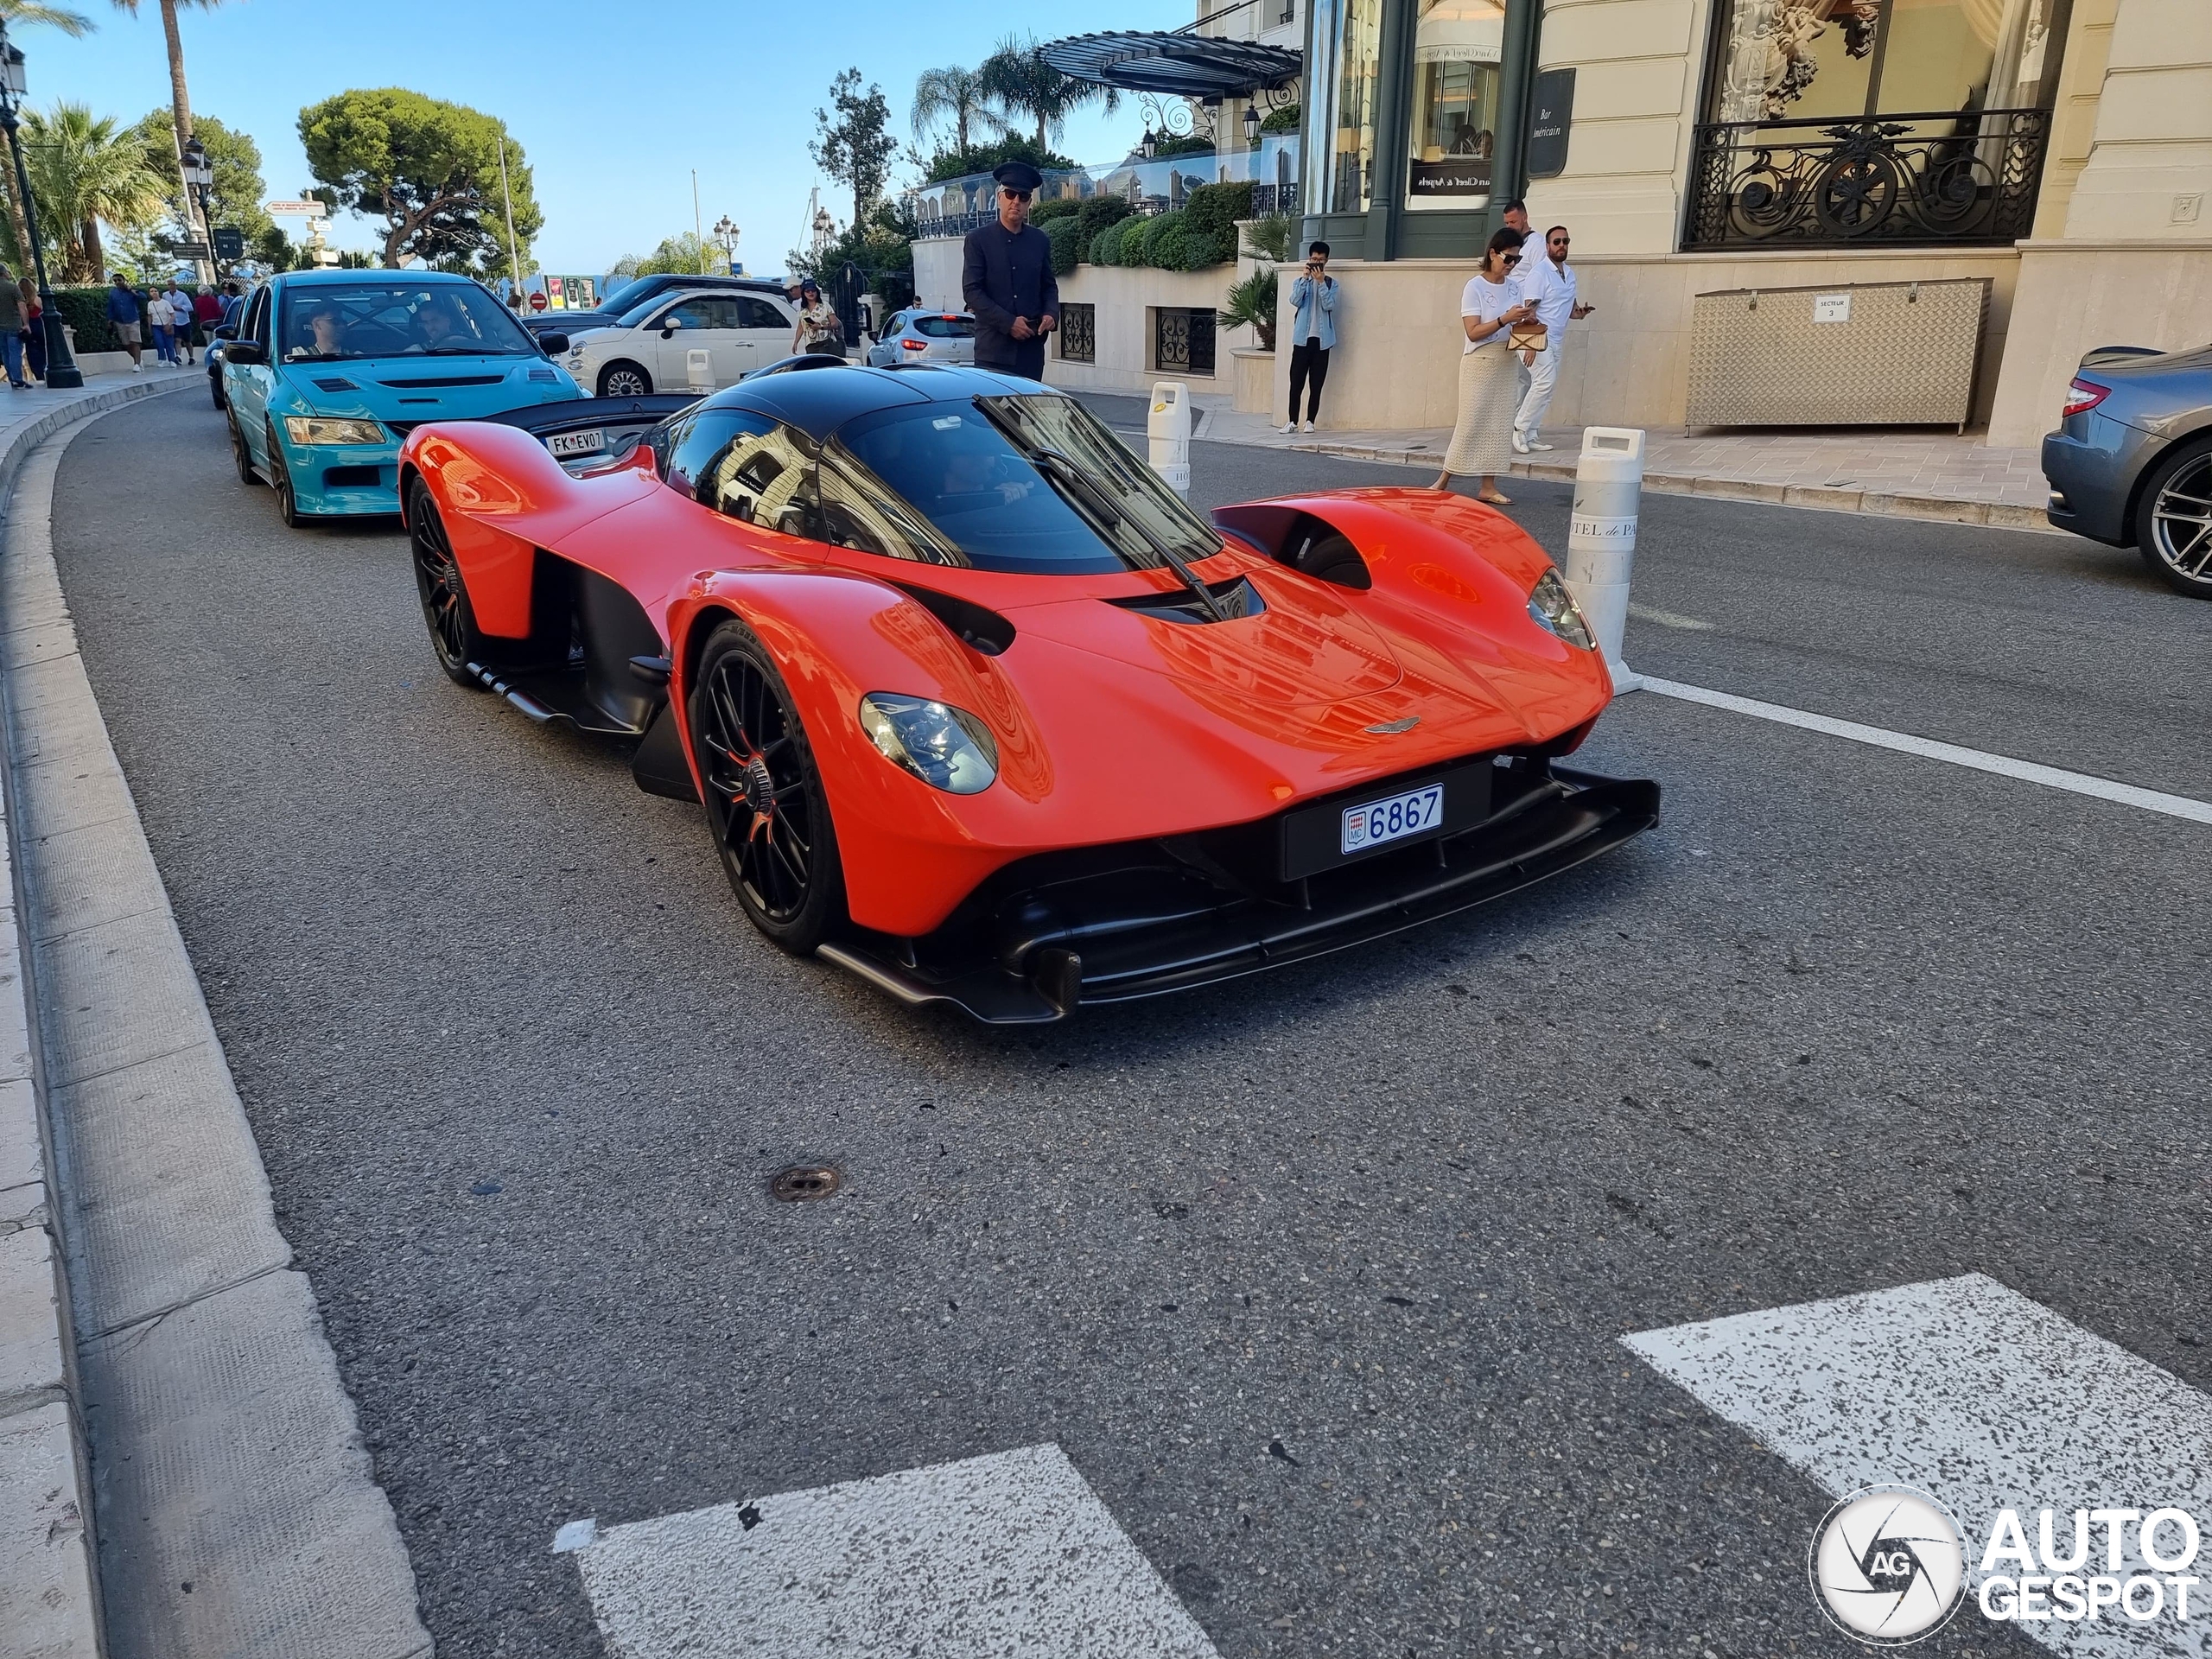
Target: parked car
2131 463
331 369
635 293
876 621
919 336
682 341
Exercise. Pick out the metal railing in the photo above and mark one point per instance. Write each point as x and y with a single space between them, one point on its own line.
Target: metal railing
1951 177
955 207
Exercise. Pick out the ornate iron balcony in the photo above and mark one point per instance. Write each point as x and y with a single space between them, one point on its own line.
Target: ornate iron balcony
1899 180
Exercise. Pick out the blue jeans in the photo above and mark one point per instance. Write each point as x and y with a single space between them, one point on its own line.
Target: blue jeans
11 344
164 343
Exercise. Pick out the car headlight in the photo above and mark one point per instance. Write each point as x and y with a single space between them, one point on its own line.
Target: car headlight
1555 611
313 429
946 747
575 360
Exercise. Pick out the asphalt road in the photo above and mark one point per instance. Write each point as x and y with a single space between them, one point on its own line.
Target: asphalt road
1318 1277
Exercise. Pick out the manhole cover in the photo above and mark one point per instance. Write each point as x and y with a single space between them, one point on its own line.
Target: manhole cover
803 1181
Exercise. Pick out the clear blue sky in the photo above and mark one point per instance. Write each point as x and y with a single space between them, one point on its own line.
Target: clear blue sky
615 104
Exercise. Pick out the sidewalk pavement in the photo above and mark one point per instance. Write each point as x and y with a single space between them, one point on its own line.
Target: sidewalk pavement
1874 470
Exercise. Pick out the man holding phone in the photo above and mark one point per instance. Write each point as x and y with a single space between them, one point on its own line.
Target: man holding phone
1006 277
1312 334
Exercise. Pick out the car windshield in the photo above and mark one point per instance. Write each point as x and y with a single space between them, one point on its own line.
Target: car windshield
328 321
942 328
1030 483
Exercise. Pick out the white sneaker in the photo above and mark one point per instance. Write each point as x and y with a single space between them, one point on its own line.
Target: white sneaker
1520 444
1308 427
1533 444
1288 427
138 368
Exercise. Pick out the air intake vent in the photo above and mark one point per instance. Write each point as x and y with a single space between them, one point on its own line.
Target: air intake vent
1237 598
336 382
454 380
545 374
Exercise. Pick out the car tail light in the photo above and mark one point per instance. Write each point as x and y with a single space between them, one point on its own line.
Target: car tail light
2083 395
915 345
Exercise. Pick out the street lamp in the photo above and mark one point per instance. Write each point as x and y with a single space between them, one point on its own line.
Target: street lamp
1251 124
726 233
200 179
61 371
1150 144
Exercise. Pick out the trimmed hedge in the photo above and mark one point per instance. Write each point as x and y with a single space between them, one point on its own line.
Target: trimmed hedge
85 309
1100 212
1059 207
1064 232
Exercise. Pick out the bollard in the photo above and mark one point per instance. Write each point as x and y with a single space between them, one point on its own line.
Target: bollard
1169 428
1601 537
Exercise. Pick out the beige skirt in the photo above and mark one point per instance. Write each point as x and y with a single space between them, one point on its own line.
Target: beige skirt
1482 439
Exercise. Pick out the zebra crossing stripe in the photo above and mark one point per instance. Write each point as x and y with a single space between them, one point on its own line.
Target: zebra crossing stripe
1007 1554
1981 1398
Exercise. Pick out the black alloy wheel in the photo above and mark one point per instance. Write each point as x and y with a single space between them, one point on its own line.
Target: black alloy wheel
280 476
446 609
765 801
241 457
624 380
2173 527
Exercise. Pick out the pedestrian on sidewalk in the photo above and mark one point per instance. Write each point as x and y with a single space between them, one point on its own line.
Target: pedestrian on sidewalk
124 312
1515 218
1006 278
206 314
234 302
1546 283
33 327
1489 308
11 328
1312 334
182 319
162 321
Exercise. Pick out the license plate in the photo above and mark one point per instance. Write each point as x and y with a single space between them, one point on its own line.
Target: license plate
566 444
1393 818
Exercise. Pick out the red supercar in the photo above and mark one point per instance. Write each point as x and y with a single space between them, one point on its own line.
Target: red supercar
980 711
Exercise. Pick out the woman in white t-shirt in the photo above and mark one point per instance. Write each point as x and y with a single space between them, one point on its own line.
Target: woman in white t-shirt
162 321
1482 438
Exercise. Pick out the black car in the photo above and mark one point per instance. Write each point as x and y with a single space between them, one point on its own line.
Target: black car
2131 463
633 293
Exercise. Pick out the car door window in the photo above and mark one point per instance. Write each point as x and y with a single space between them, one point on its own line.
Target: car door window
750 467
754 313
860 512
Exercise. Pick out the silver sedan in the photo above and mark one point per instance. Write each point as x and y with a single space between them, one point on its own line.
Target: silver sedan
2131 463
919 336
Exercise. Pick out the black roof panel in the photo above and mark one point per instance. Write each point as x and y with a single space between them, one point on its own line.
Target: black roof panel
819 401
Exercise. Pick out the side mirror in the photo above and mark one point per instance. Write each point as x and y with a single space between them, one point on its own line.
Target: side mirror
552 345
245 353
226 331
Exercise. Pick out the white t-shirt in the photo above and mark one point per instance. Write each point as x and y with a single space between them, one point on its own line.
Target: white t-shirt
1552 289
1488 302
158 313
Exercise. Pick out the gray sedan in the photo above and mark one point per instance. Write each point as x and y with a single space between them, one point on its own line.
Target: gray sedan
2131 463
919 336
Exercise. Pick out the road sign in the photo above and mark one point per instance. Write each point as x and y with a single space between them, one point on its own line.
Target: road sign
230 242
310 208
189 250
538 301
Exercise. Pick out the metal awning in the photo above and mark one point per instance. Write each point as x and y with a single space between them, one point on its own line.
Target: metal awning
1179 66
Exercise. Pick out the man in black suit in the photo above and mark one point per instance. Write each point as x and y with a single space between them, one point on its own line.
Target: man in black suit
1007 278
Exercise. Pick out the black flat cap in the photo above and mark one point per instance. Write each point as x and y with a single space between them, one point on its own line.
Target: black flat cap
1019 175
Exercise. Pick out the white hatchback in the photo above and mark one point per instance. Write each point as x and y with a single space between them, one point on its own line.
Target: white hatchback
679 341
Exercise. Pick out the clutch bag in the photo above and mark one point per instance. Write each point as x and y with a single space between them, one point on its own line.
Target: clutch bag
1527 337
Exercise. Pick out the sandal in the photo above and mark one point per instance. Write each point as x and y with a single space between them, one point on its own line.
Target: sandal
1495 500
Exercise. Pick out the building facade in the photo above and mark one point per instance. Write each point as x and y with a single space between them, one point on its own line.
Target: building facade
2059 151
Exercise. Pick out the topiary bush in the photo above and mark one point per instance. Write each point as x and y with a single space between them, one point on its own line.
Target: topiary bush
1066 234
1098 214
1213 211
85 309
1124 243
1059 207
1161 246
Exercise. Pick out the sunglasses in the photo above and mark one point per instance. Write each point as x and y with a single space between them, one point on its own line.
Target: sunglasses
1015 195
1512 258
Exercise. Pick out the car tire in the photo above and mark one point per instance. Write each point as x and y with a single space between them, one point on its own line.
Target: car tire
2173 519
766 805
280 480
623 378
456 639
241 457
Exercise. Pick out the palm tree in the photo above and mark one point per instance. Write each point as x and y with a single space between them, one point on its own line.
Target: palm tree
73 24
1018 80
84 169
179 100
958 93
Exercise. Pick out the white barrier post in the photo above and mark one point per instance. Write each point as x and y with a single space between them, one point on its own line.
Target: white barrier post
1169 428
1601 537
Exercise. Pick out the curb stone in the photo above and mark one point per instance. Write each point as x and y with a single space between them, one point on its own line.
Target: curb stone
225 1456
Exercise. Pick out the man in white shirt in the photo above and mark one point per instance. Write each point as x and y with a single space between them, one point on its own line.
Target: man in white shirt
1548 283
